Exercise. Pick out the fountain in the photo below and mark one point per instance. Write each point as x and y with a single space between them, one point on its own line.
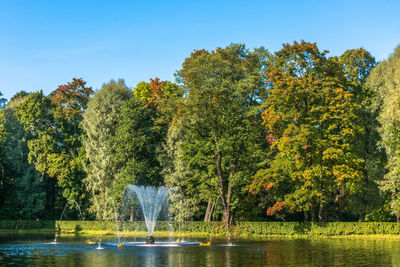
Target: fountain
62 215
116 221
151 200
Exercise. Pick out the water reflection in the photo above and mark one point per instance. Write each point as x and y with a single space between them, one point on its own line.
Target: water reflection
71 251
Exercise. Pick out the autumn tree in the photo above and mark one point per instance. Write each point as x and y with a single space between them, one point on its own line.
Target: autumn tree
221 119
310 120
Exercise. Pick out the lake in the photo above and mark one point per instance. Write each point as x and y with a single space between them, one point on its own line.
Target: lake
71 250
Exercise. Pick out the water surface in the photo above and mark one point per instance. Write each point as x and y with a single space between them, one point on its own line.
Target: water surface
37 249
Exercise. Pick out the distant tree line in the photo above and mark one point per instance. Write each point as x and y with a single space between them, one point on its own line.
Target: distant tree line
241 136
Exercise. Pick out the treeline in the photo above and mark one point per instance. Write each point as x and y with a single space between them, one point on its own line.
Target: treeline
242 135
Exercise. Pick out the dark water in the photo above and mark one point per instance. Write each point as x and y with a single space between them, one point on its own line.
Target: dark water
36 250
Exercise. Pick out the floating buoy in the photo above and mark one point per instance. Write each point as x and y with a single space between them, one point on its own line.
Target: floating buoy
121 245
205 244
90 242
178 240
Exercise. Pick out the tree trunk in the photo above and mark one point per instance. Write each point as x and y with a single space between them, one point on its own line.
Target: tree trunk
321 213
362 217
305 216
313 213
131 218
207 216
221 188
398 218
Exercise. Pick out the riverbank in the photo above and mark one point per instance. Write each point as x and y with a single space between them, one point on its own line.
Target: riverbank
372 230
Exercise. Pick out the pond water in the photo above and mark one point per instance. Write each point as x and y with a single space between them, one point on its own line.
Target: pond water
37 249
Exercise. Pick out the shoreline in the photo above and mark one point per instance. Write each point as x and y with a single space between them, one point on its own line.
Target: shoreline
164 234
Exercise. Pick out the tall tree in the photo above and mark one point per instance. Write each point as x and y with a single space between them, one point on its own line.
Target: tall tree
35 114
56 147
309 116
178 176
3 180
221 118
134 150
27 196
100 124
357 65
385 82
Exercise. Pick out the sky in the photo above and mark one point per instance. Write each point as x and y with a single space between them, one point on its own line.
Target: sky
46 43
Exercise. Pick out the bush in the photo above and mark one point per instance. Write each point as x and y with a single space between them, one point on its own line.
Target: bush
240 228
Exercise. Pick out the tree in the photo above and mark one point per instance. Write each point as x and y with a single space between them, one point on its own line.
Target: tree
221 119
26 196
184 192
384 80
3 180
35 114
162 98
134 151
56 147
3 101
357 65
309 116
100 124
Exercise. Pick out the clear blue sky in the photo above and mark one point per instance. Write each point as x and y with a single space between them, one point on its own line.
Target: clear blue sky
45 43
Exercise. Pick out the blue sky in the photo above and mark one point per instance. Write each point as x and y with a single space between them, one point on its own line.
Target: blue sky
45 43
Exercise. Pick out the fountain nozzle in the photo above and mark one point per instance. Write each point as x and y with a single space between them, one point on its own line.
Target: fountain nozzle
150 240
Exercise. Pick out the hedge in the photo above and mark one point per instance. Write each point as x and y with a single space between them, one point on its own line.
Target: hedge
240 228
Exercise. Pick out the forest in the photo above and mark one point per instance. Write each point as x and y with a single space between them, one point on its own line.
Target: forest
294 135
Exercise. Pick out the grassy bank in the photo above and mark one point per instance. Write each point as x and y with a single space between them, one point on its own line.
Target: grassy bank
243 229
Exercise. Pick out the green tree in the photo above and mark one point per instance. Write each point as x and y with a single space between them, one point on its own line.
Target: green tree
357 65
384 80
100 124
26 197
35 114
56 147
309 116
3 179
222 135
184 194
134 151
162 98
3 101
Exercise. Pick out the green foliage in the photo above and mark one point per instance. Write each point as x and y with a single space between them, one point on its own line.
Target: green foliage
382 214
3 101
134 148
385 83
241 228
26 196
100 124
320 228
184 195
357 65
223 140
56 144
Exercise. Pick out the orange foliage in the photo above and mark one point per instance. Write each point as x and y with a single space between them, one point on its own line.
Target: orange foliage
278 206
